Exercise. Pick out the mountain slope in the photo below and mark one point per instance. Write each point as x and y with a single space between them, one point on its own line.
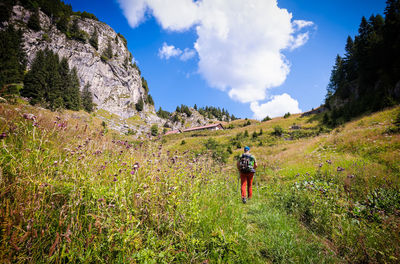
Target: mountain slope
116 83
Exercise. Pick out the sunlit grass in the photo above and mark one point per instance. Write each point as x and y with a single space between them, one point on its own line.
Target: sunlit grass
72 192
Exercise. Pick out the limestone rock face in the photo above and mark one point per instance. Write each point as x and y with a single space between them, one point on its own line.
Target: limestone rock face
116 85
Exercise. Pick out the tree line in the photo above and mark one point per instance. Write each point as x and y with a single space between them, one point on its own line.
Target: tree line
365 78
212 112
209 112
50 82
57 10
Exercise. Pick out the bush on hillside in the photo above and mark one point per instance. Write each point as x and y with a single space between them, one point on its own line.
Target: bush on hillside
278 131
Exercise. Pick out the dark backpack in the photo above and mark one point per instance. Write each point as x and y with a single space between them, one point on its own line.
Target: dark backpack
245 163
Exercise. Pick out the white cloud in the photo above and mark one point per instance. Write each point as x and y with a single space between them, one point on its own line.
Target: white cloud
187 54
277 106
239 42
168 51
299 24
134 11
299 41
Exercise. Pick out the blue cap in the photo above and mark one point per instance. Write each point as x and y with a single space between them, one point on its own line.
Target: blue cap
246 148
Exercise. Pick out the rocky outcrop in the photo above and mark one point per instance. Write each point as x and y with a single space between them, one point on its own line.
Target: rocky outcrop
116 85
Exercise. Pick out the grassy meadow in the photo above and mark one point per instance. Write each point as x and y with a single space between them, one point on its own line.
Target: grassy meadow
72 190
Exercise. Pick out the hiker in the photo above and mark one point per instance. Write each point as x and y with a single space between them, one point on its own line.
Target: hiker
246 166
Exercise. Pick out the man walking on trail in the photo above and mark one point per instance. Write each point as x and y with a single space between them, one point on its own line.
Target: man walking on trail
246 166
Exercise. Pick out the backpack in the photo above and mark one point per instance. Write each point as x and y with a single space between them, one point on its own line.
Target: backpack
245 163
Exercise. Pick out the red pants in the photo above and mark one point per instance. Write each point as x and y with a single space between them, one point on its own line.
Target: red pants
247 178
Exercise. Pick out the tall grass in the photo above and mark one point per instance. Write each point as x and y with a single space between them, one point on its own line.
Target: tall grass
72 192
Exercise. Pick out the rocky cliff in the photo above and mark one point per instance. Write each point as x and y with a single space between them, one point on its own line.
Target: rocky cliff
116 84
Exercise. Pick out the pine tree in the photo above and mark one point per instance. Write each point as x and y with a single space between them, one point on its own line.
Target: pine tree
34 21
36 80
74 91
94 39
144 85
13 57
70 86
108 52
150 99
76 33
5 10
139 105
62 24
87 98
51 82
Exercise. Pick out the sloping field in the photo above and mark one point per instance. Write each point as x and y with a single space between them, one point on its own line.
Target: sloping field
73 191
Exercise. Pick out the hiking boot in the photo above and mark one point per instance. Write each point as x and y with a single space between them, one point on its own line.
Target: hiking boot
244 200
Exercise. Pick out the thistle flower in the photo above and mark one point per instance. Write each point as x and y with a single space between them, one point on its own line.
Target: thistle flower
340 169
29 117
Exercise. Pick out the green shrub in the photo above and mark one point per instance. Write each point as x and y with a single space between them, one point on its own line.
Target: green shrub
278 131
286 115
139 105
34 21
267 118
154 130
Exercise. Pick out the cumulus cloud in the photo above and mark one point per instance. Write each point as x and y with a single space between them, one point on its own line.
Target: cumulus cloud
240 43
299 40
134 11
168 51
277 106
187 54
299 24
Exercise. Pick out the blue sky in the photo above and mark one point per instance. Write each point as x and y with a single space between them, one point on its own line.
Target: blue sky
200 79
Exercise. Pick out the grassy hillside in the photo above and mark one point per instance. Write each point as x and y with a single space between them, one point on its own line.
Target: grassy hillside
70 190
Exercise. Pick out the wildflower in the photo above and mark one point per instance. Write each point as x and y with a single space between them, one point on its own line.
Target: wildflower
29 117
115 179
340 169
329 161
320 165
55 163
101 200
3 135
